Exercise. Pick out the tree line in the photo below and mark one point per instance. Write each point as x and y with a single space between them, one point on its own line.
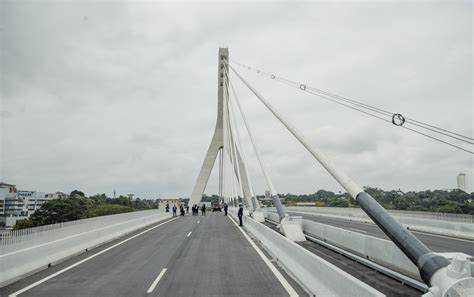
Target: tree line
447 201
78 206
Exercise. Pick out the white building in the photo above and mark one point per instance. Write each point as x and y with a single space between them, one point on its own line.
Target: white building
18 205
268 196
462 182
32 200
170 202
57 195
11 208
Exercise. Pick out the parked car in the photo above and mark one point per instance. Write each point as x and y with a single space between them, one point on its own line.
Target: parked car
216 207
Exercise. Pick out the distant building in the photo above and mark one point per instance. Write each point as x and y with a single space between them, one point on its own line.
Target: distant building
32 200
57 195
12 208
462 182
18 205
170 201
305 203
268 195
268 200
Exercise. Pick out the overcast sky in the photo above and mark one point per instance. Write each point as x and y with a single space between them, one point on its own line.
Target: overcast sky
98 96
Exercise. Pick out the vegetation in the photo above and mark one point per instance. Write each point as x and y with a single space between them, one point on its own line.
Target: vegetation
213 199
22 224
449 201
106 209
78 206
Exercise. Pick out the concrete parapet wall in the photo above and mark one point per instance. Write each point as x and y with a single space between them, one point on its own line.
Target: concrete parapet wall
380 251
272 216
26 257
416 223
357 212
319 277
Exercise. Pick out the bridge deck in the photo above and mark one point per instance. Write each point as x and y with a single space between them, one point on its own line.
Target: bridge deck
204 256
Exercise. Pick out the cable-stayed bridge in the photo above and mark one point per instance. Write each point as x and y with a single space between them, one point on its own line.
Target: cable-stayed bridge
278 252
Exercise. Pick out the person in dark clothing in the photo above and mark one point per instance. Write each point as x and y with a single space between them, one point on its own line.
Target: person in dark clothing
167 207
203 210
240 214
225 209
187 208
181 210
174 210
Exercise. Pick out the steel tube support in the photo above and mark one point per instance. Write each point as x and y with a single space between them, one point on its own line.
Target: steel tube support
427 262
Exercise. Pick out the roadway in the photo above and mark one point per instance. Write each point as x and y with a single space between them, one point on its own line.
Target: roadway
437 243
187 256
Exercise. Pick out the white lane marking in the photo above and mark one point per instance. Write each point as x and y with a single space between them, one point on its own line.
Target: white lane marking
189 234
82 261
153 285
72 236
357 230
270 265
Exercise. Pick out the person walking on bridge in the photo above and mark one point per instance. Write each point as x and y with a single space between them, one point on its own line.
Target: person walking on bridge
240 214
225 208
174 210
187 208
203 209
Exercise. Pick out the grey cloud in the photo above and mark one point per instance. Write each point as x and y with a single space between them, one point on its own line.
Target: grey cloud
102 95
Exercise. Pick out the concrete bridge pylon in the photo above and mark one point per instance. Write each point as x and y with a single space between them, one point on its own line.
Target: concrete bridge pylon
217 142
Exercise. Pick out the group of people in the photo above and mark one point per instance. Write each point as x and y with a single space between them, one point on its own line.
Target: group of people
195 210
175 209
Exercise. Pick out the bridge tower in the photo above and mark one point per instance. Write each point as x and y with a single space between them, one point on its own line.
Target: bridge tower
217 142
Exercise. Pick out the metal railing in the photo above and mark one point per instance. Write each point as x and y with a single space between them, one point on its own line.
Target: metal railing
52 232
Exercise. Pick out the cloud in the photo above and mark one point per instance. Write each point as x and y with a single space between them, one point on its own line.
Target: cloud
100 96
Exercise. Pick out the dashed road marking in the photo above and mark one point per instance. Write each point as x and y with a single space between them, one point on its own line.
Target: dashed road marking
155 283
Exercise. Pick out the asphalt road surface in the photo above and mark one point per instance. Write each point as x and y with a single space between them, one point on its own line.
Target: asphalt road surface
438 243
188 256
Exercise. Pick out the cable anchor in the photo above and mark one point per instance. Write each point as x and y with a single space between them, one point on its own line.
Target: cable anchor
303 87
398 119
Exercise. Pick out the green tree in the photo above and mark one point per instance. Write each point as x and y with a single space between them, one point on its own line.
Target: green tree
106 209
98 199
23 224
60 210
77 194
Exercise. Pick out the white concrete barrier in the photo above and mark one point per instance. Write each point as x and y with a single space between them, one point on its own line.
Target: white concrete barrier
318 276
357 212
380 251
27 256
448 227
